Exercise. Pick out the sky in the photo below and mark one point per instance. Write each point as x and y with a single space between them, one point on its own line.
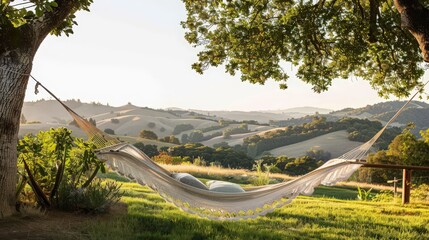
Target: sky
135 51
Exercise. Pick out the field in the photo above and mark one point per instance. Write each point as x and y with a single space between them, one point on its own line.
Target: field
336 143
331 213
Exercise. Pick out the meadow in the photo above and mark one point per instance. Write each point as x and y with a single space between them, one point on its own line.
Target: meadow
328 214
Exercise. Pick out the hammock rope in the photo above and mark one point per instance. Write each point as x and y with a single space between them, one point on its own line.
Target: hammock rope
131 162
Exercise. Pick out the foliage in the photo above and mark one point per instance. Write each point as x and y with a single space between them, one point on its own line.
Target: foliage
364 195
325 40
162 129
181 128
199 161
74 123
53 160
243 128
97 197
212 128
405 149
164 158
114 120
383 196
196 136
151 125
210 136
19 16
226 156
184 139
302 165
148 134
170 139
109 131
149 149
262 173
221 144
318 154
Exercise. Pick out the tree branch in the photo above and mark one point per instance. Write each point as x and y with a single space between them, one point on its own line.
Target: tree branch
415 18
54 18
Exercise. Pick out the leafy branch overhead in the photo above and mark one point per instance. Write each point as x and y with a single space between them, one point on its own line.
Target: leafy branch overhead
21 21
324 39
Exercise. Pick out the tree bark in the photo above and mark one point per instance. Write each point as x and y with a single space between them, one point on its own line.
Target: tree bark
14 66
415 18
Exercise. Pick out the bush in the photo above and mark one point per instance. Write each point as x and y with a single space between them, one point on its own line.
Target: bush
162 129
109 131
148 149
98 197
151 125
181 128
114 120
170 139
148 135
53 163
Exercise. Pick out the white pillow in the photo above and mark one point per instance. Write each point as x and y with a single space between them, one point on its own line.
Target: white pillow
190 180
221 186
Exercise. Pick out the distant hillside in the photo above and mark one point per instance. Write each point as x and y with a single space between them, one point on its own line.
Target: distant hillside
127 120
416 111
302 110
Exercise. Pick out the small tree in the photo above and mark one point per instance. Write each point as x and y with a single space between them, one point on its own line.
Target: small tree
170 139
109 131
148 135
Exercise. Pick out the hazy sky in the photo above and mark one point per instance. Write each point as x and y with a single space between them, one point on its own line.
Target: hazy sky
134 51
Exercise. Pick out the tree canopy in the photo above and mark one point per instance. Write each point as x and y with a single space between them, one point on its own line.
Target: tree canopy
324 40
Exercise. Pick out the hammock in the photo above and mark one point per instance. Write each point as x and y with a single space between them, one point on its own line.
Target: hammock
133 163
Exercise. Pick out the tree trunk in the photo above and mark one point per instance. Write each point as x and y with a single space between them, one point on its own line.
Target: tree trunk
14 69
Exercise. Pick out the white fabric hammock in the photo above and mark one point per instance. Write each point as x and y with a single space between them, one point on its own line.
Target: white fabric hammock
131 162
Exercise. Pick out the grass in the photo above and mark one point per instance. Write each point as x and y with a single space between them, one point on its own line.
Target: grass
325 215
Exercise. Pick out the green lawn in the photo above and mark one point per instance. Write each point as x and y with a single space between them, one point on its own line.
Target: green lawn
326 215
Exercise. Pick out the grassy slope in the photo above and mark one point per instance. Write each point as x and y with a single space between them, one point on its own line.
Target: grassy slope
150 217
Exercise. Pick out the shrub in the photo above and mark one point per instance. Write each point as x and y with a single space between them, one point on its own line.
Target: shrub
170 139
162 129
148 135
114 120
151 125
53 162
109 131
148 149
181 128
98 197
164 158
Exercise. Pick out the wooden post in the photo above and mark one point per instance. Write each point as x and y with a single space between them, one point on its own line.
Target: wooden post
406 186
395 186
